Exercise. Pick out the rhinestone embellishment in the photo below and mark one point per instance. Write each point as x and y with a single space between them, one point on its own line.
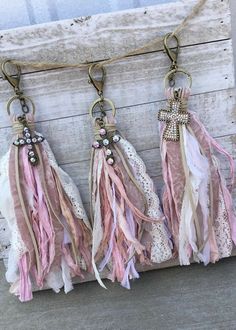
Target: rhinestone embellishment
29 141
173 117
106 140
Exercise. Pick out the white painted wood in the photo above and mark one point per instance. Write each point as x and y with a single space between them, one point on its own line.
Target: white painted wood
138 80
97 37
217 110
62 96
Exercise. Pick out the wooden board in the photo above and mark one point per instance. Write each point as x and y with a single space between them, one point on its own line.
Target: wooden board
94 38
62 96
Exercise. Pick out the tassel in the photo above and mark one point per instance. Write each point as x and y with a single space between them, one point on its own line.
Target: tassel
50 233
196 201
128 226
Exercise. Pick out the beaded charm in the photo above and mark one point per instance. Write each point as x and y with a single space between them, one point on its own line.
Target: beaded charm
173 117
128 225
28 141
106 139
196 201
50 233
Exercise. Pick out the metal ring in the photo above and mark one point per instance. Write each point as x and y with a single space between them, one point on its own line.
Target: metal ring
18 97
105 100
174 71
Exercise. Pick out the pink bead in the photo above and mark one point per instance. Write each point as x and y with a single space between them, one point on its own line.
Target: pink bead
96 144
102 131
110 161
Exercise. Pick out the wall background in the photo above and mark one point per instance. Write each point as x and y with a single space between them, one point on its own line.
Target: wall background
158 299
233 23
16 13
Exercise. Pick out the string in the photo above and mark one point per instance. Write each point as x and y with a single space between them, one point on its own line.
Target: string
154 42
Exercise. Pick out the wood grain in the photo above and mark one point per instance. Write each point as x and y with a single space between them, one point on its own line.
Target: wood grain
137 80
71 137
62 96
88 39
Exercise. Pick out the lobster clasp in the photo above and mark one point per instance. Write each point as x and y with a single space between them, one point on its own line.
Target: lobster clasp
174 51
97 83
14 80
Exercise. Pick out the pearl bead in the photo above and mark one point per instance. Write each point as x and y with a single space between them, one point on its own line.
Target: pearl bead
27 135
34 140
116 138
96 144
108 152
102 132
33 159
110 161
40 139
22 141
28 141
105 142
31 153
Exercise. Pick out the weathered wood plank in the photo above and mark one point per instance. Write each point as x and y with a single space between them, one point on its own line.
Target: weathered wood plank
92 38
137 80
71 138
135 85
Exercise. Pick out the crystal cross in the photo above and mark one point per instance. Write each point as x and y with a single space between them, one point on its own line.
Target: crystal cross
173 118
28 140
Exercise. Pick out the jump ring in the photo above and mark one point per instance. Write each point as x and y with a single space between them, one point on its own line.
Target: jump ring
174 71
104 100
17 97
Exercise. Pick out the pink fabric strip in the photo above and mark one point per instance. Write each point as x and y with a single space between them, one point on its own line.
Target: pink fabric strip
218 183
41 221
25 293
130 271
21 224
119 238
112 233
172 198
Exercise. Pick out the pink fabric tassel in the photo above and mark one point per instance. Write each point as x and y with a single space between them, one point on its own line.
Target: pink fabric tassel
212 143
201 217
118 206
44 216
41 221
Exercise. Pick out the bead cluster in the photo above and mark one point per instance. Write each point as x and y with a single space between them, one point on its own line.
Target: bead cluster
29 141
173 117
106 141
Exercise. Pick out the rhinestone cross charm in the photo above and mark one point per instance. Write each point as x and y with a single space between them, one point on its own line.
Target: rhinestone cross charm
107 139
28 140
173 117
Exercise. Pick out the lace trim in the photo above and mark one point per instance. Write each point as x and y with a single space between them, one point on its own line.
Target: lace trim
17 246
222 225
161 250
222 230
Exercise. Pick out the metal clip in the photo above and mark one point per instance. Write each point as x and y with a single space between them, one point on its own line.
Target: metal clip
14 80
172 52
97 83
